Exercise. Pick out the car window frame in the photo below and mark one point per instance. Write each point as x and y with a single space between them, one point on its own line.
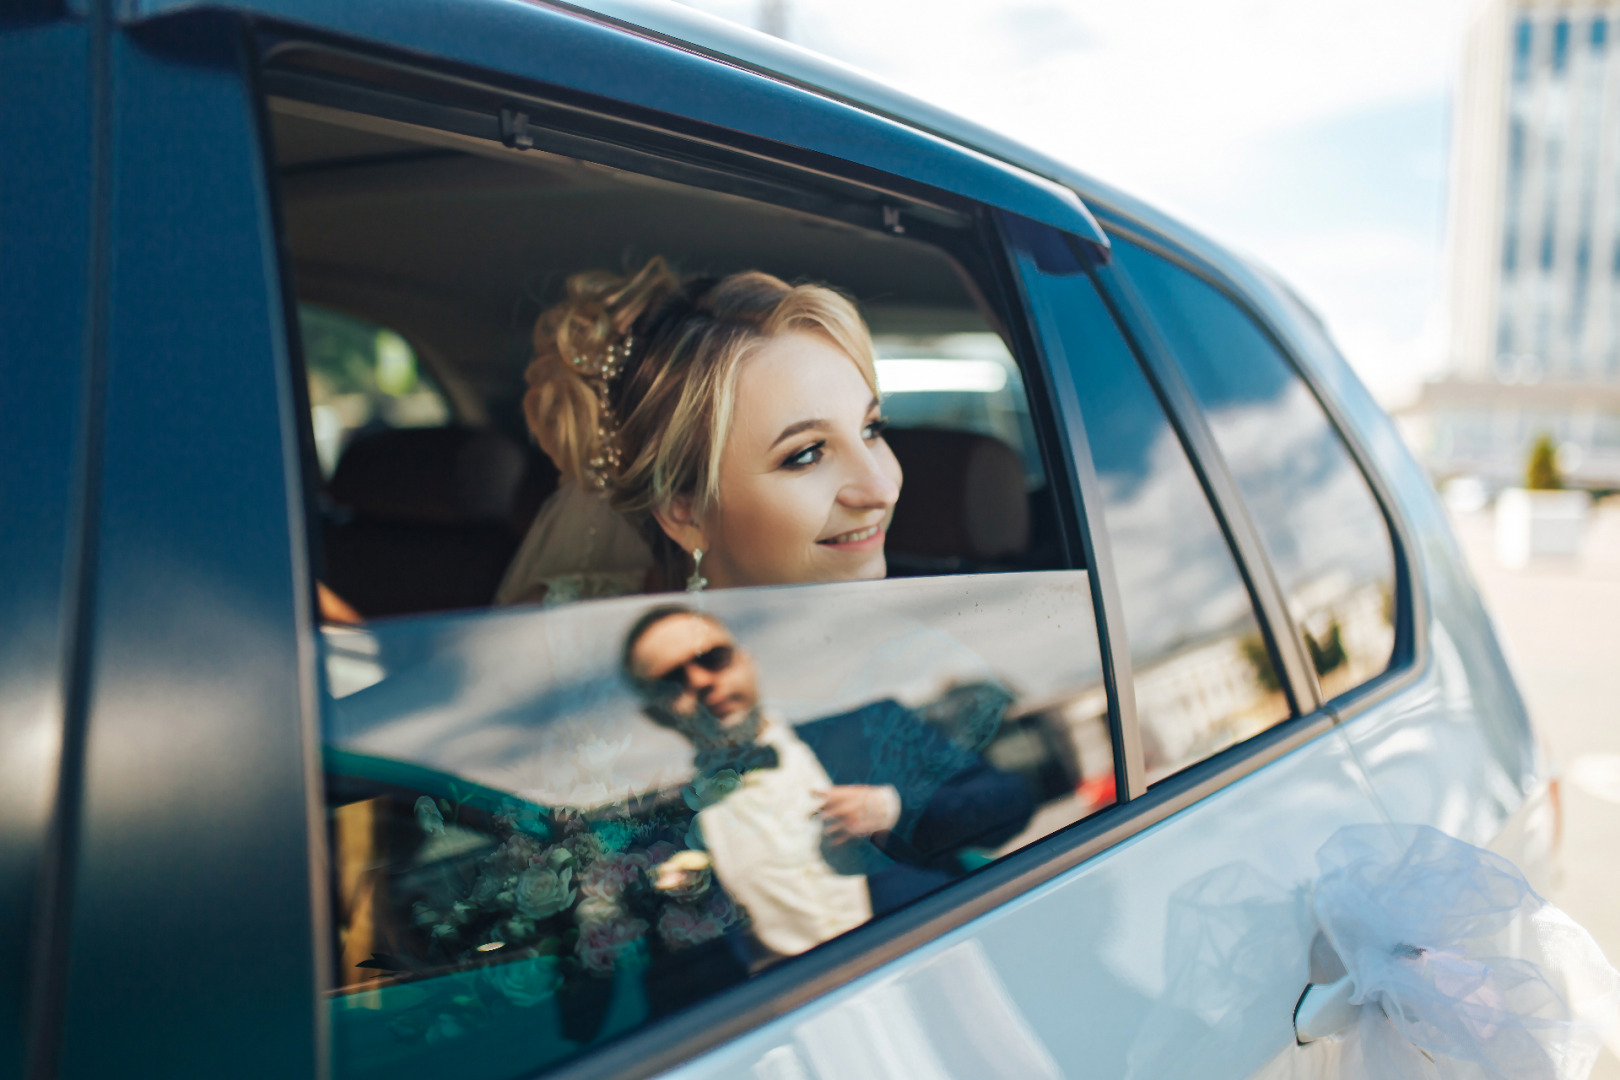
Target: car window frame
677 1038
1407 656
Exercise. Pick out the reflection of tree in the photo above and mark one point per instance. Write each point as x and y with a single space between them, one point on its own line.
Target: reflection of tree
1328 653
1259 657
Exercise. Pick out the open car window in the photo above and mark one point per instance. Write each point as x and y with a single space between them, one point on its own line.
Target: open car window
550 826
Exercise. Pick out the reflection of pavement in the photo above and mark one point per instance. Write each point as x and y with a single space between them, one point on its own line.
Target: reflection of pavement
1560 623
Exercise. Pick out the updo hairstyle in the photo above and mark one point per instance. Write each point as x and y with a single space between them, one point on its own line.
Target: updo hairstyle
660 423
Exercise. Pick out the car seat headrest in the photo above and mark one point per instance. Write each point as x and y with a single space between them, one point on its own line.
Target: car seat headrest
441 476
963 496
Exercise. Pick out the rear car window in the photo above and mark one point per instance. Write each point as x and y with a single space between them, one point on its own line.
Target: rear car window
1327 538
1205 676
539 842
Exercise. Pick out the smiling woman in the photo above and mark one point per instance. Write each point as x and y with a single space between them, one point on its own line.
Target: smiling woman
730 427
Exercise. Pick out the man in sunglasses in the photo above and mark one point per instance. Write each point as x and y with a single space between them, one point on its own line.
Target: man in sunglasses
816 828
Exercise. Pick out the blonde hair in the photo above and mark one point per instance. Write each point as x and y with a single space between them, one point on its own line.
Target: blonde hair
670 409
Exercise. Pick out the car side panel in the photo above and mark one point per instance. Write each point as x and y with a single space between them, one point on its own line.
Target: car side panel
193 937
1179 953
1452 746
45 232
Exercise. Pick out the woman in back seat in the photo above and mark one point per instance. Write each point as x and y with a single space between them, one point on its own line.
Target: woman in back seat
717 432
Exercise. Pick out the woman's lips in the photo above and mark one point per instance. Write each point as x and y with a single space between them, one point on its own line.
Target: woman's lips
859 540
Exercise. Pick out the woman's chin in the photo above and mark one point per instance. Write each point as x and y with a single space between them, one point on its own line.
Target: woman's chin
842 566
869 566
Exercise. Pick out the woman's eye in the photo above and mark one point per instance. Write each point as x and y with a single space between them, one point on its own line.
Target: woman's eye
806 457
875 429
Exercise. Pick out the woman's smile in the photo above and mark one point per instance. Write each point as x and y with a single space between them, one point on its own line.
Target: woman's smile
859 540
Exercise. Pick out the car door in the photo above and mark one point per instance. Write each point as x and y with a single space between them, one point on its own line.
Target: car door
454 741
1112 918
1087 949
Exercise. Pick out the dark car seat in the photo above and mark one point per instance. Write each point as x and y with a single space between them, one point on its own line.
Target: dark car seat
422 519
962 507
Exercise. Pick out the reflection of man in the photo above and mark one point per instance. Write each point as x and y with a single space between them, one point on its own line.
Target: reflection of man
814 829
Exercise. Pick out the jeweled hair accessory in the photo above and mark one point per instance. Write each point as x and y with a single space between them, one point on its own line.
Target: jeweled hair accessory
601 371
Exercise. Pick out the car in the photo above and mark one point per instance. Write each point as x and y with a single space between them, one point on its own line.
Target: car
1161 568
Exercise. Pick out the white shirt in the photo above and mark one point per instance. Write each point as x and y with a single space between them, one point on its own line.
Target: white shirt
765 840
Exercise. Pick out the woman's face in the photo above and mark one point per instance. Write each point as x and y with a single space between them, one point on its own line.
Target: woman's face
807 484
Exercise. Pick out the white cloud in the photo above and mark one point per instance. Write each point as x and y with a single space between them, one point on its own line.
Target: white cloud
1183 103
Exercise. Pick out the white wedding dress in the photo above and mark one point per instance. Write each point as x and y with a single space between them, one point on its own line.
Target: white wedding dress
579 548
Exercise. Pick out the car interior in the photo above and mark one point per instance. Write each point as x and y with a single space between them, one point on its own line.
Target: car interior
420 260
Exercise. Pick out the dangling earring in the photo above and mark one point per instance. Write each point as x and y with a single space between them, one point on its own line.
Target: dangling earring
697 581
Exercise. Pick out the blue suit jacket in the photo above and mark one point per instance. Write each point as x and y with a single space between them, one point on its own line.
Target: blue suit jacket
950 797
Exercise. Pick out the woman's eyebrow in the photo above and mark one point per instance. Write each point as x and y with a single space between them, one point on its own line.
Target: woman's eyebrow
797 428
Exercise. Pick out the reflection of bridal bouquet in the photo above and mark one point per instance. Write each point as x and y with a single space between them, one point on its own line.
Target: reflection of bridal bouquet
510 905
594 893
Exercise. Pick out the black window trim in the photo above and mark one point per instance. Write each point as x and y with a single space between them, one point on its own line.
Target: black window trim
1220 488
1086 492
1410 656
685 1035
552 118
1299 719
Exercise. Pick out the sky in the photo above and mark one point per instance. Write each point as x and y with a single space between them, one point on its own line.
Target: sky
1310 134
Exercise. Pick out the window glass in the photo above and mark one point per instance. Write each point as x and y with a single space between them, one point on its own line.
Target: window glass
559 819
535 849
1203 672
1327 539
362 377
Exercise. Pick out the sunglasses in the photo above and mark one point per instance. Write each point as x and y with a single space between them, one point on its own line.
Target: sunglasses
677 680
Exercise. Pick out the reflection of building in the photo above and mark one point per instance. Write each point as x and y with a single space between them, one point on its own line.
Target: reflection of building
1535 246
1212 693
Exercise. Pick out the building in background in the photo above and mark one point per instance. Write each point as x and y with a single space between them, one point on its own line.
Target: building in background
1535 248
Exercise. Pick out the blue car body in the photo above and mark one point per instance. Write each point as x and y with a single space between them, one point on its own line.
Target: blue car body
162 896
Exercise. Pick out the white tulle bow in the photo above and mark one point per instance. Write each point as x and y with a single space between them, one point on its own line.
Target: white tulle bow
1463 972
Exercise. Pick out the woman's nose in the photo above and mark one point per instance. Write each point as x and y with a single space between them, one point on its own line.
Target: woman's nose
875 484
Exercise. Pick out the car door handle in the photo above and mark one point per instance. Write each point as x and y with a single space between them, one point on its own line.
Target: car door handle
1324 1009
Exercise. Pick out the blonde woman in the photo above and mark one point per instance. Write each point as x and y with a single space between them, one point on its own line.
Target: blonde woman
713 432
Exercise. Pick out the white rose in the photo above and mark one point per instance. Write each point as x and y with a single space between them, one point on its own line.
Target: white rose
594 909
540 893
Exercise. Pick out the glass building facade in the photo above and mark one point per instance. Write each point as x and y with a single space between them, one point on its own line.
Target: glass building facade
1535 247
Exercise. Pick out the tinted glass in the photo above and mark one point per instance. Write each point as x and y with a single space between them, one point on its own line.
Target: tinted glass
1328 541
1204 674
536 849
